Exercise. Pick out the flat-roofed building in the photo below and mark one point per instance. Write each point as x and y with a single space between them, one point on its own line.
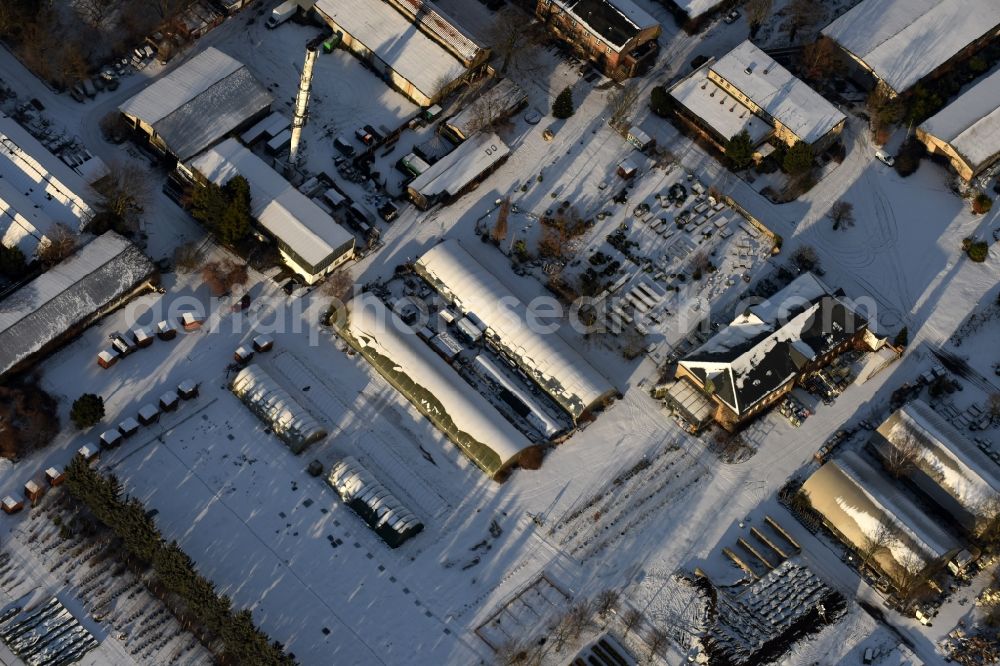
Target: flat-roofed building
961 479
197 104
311 242
900 42
747 90
859 503
967 131
618 36
546 358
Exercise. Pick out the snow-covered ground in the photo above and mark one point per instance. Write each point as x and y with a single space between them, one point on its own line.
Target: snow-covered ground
280 542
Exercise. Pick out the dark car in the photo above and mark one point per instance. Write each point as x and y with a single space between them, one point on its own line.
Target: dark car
699 61
344 146
388 211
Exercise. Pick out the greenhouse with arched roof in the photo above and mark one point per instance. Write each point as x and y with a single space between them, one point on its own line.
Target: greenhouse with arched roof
289 420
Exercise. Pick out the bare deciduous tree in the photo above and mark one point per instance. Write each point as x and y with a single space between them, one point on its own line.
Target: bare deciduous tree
657 639
513 37
57 245
902 455
757 12
881 539
621 101
187 258
993 408
606 602
804 14
339 285
223 276
98 13
499 232
805 257
842 215
819 59
631 619
125 192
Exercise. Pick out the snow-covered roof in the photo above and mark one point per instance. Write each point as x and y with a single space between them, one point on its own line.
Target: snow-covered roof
445 29
695 8
945 455
353 482
37 190
433 386
902 41
454 171
67 295
780 94
615 22
498 101
764 348
857 498
199 102
286 213
971 124
395 41
273 404
547 358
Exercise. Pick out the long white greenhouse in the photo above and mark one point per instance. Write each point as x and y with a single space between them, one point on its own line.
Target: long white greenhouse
272 404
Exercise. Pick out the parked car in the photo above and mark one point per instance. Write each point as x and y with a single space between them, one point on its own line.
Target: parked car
376 135
732 17
885 157
364 136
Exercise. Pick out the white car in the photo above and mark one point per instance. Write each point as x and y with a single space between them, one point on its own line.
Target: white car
885 157
732 17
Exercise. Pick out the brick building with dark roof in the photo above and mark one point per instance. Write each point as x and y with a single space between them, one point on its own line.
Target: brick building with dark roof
616 35
760 356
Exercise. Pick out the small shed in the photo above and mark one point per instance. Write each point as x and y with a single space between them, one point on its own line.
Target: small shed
468 329
149 413
190 322
243 355
107 358
142 337
122 346
187 389
110 439
639 139
33 491
88 452
128 427
54 476
263 343
168 401
432 112
166 331
627 169
11 505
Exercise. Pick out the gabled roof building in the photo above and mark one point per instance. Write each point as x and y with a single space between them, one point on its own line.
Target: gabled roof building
747 90
967 131
757 359
941 461
900 42
618 36
197 104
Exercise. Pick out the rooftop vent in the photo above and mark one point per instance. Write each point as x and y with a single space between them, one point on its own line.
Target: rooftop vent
749 69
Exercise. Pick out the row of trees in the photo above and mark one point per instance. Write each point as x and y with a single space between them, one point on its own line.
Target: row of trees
241 641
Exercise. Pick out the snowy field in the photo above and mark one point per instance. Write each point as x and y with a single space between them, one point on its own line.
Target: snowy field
280 542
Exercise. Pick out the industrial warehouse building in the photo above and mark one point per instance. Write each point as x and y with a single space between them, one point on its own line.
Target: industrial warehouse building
618 36
310 241
197 104
410 43
37 191
757 359
273 405
859 504
546 358
434 387
899 42
458 171
63 301
946 466
747 90
967 131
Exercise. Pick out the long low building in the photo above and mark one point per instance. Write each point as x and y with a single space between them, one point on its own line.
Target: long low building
747 90
408 59
861 506
37 191
500 101
287 418
899 42
311 242
197 104
459 170
434 387
967 131
60 303
548 359
951 470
